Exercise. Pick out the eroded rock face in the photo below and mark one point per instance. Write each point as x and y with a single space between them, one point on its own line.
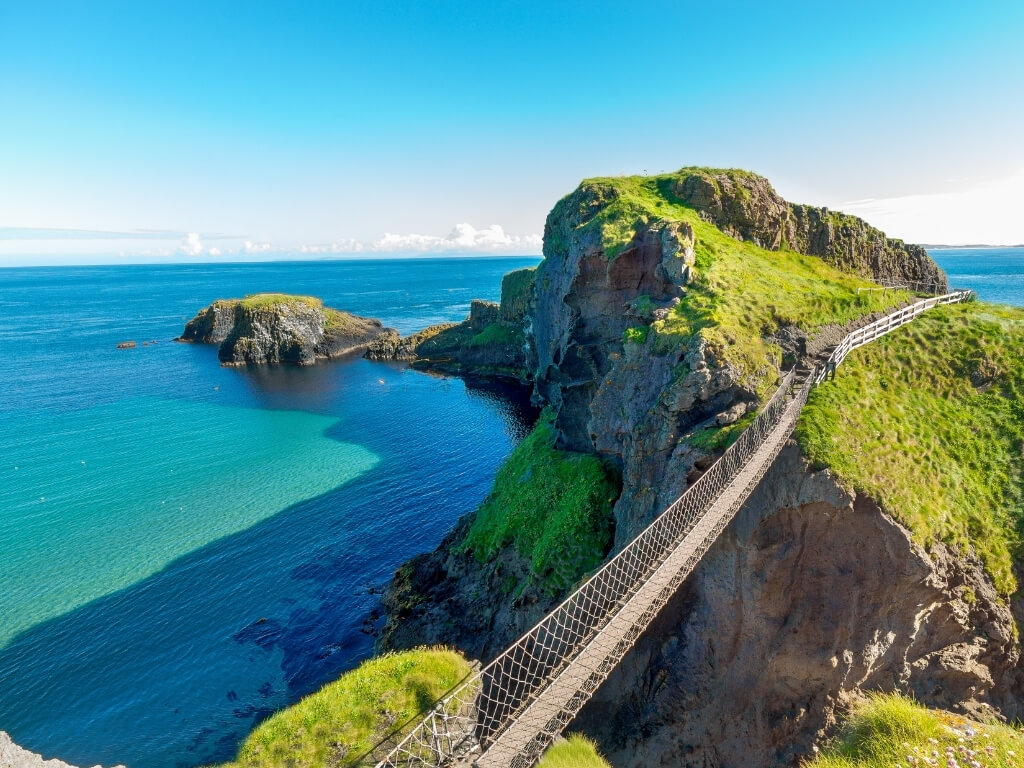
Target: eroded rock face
747 207
295 330
613 396
810 594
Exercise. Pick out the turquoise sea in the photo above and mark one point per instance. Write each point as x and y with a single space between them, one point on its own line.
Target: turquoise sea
185 548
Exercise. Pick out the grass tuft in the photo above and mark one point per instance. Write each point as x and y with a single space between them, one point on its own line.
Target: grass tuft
575 752
890 730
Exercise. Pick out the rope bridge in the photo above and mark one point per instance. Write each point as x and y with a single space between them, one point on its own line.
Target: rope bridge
506 714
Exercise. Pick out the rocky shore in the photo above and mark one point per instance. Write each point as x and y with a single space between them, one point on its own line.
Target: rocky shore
13 756
491 342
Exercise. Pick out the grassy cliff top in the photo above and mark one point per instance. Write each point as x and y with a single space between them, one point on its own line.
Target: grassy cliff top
741 292
929 421
342 721
334 319
271 300
891 730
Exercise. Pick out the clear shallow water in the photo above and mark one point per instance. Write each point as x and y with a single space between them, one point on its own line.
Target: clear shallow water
185 548
995 274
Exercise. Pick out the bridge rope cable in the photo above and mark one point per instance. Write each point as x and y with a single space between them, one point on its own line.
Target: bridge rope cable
507 713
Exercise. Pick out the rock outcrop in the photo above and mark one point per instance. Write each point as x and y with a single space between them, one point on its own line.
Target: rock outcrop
747 207
13 756
491 342
279 328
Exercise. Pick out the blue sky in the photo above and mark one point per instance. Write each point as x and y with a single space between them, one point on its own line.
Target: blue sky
199 129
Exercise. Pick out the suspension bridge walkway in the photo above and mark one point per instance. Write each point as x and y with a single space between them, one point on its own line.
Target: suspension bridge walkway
506 714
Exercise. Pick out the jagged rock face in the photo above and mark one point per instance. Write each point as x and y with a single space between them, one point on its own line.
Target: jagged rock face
747 207
295 332
283 334
212 324
611 396
810 594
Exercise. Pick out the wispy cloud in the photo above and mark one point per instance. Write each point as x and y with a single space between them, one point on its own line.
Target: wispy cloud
988 212
68 233
463 238
151 244
56 233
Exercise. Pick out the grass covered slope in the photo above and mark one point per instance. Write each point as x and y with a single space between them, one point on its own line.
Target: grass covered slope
929 421
554 506
340 723
741 291
892 731
575 752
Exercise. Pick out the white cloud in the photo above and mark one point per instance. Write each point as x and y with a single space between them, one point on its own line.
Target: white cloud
463 237
20 245
987 213
251 247
192 245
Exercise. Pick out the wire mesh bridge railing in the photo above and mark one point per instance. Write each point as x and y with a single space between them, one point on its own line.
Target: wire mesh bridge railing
508 712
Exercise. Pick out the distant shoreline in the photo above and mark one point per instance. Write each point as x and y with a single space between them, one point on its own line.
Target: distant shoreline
931 247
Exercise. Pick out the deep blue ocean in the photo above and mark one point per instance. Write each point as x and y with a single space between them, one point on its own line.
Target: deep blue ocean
185 548
995 274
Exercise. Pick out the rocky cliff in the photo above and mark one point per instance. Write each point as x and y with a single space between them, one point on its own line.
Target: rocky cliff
746 206
812 594
280 328
662 315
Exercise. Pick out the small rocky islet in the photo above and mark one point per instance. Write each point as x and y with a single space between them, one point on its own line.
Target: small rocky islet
275 328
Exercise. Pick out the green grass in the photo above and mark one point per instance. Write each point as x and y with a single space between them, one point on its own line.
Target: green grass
270 300
929 421
496 333
575 752
714 439
636 334
889 730
342 721
741 292
554 506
